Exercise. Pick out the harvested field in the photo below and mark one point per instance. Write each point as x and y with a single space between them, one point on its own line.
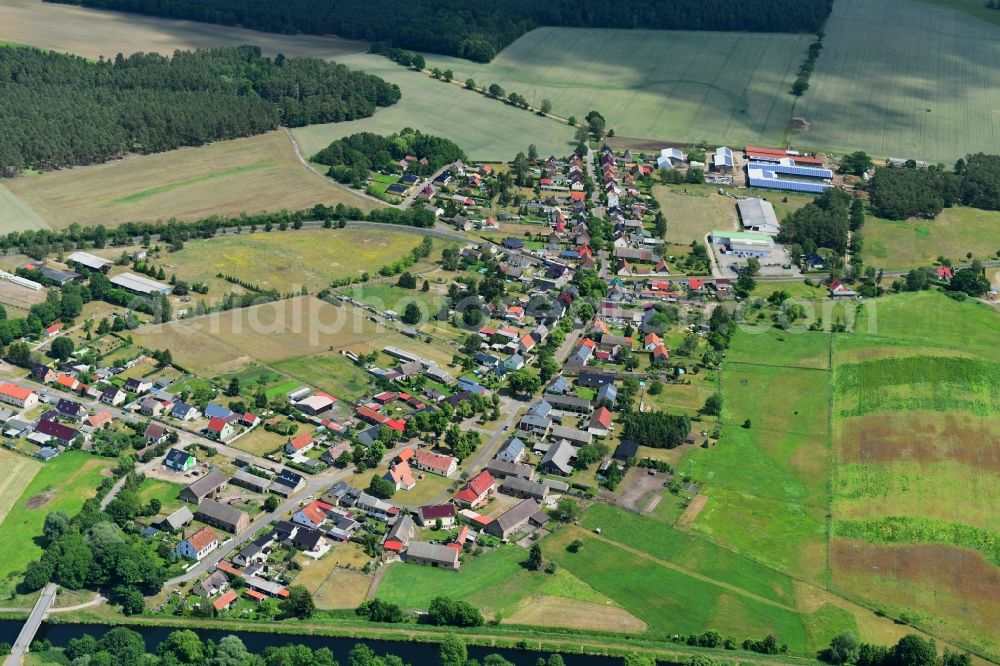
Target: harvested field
666 85
922 437
226 178
486 129
951 592
908 79
14 215
94 33
19 297
692 211
548 611
690 514
274 332
18 473
289 260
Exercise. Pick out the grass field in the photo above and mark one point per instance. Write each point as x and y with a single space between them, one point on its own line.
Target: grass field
289 260
903 78
484 128
275 332
673 86
168 494
917 439
914 243
18 473
15 216
335 580
226 178
94 33
62 484
693 211
767 485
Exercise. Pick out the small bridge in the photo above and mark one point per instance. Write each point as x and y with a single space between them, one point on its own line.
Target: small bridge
31 625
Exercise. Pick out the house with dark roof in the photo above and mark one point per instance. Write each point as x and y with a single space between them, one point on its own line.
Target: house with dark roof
62 434
72 411
210 485
114 396
512 451
176 459
287 483
429 514
557 460
517 486
628 449
223 516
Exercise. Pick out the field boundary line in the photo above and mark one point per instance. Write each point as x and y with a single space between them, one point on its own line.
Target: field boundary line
693 574
776 366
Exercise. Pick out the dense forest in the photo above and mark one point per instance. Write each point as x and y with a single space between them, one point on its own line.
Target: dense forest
60 110
898 193
823 223
477 30
351 159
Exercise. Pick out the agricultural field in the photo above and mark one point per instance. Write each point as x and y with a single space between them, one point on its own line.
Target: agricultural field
903 78
226 178
916 243
93 33
290 260
274 332
335 580
917 439
15 216
667 85
62 484
692 211
770 478
485 129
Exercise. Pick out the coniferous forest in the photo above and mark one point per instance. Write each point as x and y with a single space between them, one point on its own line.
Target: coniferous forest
478 30
60 110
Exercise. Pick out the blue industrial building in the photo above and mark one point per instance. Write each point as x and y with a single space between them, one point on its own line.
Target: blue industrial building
812 180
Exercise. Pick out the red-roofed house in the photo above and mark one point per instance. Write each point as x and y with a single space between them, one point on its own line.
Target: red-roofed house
18 396
436 463
477 491
225 601
255 595
652 341
587 342
249 420
526 344
300 444
599 327
944 272
99 419
53 330
401 476
694 284
369 415
840 290
515 313
198 545
600 422
68 382
312 515
385 397
661 354
396 424
405 455
460 538
219 429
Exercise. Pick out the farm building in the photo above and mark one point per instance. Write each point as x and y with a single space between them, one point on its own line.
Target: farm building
811 180
91 261
139 284
744 243
758 215
432 554
223 516
722 160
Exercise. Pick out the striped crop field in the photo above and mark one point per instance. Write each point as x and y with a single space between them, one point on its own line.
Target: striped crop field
667 85
904 78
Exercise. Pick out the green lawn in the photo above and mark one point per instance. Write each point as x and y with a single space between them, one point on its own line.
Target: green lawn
168 494
384 297
328 371
903 79
770 346
62 484
893 245
667 85
493 582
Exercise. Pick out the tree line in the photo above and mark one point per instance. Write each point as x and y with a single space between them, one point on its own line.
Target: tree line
352 158
61 110
898 193
478 30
